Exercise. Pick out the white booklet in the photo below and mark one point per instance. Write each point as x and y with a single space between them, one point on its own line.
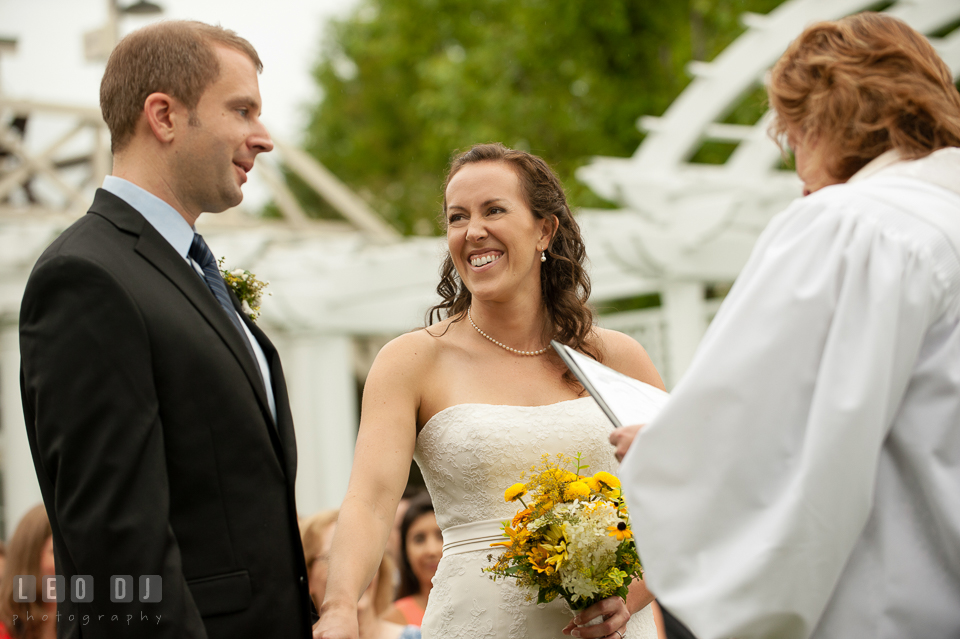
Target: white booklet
625 400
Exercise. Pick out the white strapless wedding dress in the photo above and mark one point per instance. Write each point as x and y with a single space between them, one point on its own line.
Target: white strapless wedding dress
469 454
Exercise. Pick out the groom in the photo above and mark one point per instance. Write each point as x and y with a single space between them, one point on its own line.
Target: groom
157 413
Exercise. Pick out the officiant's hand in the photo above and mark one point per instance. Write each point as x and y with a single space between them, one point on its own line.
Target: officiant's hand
621 438
615 615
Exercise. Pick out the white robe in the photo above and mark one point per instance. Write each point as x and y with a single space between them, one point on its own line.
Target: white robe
804 479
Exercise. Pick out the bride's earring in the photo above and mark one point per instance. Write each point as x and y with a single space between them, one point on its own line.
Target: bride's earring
543 256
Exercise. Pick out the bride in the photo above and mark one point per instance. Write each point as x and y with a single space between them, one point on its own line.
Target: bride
476 399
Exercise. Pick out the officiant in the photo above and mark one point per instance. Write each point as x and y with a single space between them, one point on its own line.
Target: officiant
804 479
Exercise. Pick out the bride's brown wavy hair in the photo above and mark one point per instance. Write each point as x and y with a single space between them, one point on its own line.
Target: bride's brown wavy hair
865 84
564 283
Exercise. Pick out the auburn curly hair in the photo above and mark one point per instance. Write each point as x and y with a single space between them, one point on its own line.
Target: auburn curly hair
564 283
866 84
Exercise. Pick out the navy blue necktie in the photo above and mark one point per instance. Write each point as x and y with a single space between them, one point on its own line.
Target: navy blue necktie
200 253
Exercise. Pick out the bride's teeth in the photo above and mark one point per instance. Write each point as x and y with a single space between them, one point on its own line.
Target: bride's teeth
486 259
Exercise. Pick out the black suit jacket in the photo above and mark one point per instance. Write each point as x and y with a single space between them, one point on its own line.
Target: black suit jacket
153 441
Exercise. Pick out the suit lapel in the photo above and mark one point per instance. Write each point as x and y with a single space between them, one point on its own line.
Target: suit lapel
156 250
284 423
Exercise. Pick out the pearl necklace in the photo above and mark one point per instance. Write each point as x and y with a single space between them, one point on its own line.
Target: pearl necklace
504 346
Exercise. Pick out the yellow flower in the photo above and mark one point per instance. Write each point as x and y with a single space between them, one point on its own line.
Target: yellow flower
592 483
515 492
560 553
577 490
559 475
538 560
552 534
556 544
521 517
517 537
543 504
608 479
620 531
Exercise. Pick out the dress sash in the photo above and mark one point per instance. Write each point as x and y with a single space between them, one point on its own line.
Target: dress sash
476 535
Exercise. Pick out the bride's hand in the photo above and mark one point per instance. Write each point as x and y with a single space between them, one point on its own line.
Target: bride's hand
337 623
615 616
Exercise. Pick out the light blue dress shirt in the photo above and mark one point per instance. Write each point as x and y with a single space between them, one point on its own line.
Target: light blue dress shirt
175 230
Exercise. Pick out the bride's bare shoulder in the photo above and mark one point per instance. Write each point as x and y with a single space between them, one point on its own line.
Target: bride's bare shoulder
624 354
419 348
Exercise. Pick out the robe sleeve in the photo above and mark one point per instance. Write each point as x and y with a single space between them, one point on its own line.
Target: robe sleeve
750 489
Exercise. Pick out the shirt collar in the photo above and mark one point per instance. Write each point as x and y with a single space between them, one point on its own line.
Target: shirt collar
877 164
161 216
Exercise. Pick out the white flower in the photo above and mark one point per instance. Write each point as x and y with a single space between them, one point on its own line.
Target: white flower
246 308
591 550
237 272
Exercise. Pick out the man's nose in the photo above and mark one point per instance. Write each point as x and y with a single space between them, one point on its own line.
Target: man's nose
260 140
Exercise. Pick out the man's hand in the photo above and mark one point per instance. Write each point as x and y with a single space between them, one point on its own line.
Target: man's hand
621 438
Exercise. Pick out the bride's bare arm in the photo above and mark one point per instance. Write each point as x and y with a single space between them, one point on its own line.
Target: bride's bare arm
381 464
624 354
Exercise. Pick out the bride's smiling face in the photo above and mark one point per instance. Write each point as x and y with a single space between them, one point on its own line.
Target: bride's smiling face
493 237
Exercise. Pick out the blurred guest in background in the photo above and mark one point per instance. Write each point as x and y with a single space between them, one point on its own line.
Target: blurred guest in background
393 542
317 536
420 550
30 553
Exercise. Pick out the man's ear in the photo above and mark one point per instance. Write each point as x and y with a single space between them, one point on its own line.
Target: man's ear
160 112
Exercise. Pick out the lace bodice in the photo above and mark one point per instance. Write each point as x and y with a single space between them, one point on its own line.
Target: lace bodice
470 453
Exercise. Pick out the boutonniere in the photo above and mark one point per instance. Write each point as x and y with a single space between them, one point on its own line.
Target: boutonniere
247 288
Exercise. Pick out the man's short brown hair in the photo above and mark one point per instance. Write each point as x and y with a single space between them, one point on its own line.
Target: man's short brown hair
173 57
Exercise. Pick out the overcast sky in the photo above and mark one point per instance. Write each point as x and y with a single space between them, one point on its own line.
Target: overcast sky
49 63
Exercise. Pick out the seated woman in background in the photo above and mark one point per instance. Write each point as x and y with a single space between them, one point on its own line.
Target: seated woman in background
421 545
30 552
316 533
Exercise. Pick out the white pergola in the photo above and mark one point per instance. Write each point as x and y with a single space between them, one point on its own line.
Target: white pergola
338 289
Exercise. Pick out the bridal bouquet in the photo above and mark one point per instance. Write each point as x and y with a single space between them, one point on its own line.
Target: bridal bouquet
572 539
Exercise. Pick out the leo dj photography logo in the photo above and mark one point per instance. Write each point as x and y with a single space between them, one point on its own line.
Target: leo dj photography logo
81 591
81 588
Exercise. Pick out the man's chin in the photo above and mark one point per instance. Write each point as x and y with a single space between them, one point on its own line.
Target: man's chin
225 203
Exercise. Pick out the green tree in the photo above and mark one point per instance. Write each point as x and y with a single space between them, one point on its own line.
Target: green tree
404 83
